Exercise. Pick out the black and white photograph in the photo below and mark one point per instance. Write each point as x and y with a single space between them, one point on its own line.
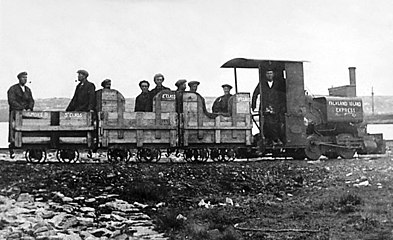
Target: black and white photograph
199 120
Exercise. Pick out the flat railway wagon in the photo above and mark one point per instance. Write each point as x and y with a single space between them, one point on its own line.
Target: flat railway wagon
181 124
65 132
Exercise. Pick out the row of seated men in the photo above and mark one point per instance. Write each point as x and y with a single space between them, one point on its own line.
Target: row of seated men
20 96
84 99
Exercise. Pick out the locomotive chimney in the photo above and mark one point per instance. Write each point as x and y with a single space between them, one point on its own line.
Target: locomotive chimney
352 76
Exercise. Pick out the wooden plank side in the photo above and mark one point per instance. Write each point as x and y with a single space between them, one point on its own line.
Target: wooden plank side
218 132
33 118
36 140
54 128
75 119
193 138
227 136
72 140
18 139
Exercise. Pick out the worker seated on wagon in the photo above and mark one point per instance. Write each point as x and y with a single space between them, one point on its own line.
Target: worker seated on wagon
143 102
181 87
272 107
221 104
193 85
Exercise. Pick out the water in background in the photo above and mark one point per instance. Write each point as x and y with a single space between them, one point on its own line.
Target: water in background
386 129
3 134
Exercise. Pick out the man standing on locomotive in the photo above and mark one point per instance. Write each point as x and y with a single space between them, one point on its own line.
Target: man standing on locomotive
220 105
19 98
272 107
84 97
143 102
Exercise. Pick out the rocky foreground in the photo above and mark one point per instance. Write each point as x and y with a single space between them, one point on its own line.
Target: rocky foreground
269 199
30 217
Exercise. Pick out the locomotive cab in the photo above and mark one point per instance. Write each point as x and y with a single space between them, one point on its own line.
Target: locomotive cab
291 119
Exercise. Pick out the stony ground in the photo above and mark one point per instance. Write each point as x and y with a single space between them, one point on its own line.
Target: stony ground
270 199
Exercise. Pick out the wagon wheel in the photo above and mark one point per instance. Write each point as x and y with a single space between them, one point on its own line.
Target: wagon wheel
150 155
203 154
215 154
231 154
67 155
188 155
346 153
35 155
118 155
128 155
156 153
312 150
140 154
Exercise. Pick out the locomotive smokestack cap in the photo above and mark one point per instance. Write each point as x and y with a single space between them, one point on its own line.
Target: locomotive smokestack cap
352 75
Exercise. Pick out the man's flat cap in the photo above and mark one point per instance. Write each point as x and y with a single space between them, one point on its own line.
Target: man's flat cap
106 81
21 74
193 83
83 72
227 85
180 82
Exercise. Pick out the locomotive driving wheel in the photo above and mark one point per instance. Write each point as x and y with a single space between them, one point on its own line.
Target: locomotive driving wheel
313 149
67 155
35 155
346 153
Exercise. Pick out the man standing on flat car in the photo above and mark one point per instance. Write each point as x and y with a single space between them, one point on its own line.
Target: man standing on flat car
84 96
221 104
158 80
19 98
143 102
272 107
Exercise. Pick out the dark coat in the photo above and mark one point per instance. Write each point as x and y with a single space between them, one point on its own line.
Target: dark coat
156 90
273 99
19 100
84 98
143 103
220 105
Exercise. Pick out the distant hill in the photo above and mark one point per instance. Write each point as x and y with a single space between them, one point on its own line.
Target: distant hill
382 105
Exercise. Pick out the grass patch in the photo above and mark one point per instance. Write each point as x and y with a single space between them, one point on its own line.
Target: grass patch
346 203
167 220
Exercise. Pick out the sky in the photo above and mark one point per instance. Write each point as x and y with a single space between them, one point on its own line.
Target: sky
131 40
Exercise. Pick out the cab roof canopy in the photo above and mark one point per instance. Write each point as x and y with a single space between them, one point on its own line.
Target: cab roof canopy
255 63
